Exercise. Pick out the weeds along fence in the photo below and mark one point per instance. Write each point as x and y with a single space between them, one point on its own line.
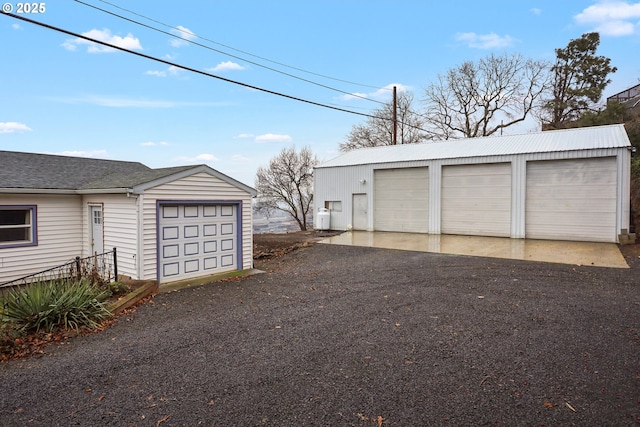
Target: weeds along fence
98 269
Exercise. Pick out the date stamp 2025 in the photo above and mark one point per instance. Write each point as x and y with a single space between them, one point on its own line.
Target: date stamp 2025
24 8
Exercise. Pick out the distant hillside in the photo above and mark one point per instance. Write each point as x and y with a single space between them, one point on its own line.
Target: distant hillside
276 222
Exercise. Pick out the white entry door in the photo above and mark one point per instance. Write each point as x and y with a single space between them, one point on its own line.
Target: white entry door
360 215
97 240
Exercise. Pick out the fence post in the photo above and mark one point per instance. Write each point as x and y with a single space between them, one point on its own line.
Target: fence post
78 267
115 264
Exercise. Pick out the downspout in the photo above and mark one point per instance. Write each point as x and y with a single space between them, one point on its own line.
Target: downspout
139 234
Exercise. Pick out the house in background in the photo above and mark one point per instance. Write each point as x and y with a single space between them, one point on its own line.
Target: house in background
167 224
630 98
568 184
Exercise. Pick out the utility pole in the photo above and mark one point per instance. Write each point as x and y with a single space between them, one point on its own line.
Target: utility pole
395 117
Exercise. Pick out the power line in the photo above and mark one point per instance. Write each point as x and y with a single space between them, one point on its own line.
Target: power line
220 51
173 64
230 47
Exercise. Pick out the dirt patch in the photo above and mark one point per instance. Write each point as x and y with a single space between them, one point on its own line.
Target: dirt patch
631 254
274 245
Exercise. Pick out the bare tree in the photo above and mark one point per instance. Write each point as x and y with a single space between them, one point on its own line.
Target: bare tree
480 99
287 184
378 130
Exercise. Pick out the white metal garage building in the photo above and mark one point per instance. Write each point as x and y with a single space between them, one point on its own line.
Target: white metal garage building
563 185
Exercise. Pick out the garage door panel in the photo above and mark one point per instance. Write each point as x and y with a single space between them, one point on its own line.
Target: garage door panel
210 263
571 199
401 200
570 218
478 204
600 207
476 199
194 240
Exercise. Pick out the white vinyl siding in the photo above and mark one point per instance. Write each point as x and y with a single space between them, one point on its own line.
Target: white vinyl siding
120 226
476 199
572 200
59 233
197 187
401 198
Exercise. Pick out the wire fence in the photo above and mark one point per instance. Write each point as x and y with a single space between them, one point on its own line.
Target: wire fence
98 269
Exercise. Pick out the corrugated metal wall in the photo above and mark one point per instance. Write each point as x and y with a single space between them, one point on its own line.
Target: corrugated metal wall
341 182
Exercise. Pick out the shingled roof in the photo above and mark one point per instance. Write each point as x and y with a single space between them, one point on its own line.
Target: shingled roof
32 171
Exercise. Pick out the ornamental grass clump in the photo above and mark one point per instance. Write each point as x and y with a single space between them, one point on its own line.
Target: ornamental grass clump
44 306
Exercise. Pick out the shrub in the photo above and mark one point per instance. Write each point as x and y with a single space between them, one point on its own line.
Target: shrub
116 288
47 305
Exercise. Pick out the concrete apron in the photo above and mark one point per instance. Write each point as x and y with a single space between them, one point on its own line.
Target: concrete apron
563 252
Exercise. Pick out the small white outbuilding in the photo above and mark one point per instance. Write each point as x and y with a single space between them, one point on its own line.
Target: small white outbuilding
167 224
568 184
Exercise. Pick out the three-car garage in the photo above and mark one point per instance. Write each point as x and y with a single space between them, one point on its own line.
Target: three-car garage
560 185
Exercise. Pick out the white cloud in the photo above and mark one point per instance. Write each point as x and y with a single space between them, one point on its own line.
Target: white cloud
171 71
244 135
200 158
156 73
617 28
485 41
16 26
226 66
536 11
354 95
383 93
238 158
127 42
271 137
13 127
612 18
81 153
154 144
387 91
125 102
185 35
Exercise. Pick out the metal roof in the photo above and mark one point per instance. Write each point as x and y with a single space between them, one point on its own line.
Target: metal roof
587 138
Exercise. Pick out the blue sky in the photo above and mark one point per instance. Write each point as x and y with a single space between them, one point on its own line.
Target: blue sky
62 95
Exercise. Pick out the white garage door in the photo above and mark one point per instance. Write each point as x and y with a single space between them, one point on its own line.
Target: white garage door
571 200
401 200
476 199
196 240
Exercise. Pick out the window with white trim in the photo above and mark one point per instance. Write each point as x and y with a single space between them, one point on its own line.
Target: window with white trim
333 205
17 226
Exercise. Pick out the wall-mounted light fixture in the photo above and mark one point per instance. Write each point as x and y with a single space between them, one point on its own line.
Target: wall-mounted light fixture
363 181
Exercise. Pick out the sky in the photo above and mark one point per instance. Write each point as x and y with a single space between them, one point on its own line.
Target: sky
60 94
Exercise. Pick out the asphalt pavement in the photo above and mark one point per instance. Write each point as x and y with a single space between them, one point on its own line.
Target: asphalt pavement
355 336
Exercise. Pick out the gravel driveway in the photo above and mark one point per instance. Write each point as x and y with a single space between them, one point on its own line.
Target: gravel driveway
350 336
